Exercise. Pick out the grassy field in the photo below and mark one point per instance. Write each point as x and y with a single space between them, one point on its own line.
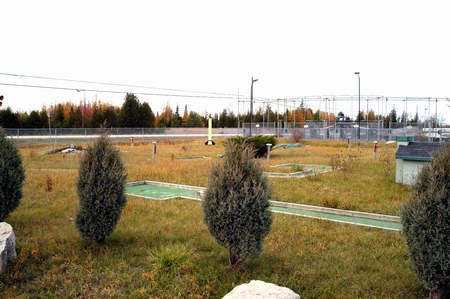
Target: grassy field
163 249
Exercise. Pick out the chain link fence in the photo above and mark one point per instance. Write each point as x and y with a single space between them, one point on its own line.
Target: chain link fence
367 131
74 135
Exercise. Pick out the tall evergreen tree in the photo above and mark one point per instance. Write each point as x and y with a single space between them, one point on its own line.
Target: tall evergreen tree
175 121
44 117
415 120
393 115
58 116
110 117
130 112
147 116
223 118
317 116
97 117
34 120
195 120
185 118
8 119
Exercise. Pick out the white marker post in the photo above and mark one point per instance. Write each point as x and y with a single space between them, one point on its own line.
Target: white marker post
210 141
268 145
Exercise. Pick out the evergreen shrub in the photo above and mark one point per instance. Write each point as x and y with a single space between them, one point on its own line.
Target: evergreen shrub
101 190
236 203
12 175
258 143
426 224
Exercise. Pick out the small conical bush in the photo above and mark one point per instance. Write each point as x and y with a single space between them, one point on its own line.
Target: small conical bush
12 176
426 224
236 203
101 190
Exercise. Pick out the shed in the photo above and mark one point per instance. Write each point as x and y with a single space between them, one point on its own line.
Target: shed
411 158
404 140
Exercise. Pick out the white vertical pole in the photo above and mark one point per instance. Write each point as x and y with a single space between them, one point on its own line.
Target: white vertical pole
268 145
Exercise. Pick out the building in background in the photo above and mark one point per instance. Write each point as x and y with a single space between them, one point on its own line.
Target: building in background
410 159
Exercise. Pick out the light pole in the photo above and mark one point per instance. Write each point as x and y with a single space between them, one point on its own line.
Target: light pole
251 106
359 106
49 127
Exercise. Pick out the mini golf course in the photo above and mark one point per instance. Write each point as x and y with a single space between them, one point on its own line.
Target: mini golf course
307 170
164 191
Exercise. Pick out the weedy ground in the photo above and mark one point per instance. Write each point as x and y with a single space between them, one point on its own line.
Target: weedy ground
162 249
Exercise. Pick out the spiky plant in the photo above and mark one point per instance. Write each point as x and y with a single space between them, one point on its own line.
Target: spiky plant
426 224
12 176
101 190
236 203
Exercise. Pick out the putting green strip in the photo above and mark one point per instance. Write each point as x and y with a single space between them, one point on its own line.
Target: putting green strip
164 191
340 218
161 192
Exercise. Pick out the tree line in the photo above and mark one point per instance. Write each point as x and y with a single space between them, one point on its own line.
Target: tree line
134 113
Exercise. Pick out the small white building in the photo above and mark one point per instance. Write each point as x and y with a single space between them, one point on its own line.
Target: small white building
411 158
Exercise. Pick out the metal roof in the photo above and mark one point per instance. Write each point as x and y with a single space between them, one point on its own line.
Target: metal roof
417 151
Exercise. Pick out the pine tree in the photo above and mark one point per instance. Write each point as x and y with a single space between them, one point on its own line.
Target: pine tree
101 189
147 116
317 116
12 176
185 119
58 116
426 224
175 120
130 112
8 119
393 115
110 117
97 116
236 203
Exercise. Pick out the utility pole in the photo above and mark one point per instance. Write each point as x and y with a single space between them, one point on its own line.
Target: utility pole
238 109
367 132
251 105
435 115
49 126
278 117
359 106
294 113
286 117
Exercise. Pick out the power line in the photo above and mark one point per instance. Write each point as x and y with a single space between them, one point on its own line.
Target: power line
118 92
366 97
114 84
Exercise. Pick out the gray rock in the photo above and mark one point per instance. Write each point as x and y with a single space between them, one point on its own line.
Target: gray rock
7 245
260 289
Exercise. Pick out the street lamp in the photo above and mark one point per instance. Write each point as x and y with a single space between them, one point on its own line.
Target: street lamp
251 105
359 106
49 114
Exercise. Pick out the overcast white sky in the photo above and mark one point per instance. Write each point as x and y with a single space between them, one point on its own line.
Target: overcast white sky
294 48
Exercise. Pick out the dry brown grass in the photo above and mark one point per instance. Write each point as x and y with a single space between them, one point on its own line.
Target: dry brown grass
163 249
